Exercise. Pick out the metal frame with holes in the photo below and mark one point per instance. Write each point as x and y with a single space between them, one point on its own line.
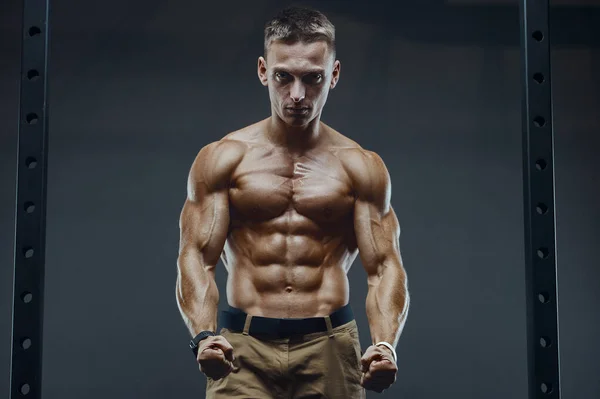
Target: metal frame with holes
30 215
539 206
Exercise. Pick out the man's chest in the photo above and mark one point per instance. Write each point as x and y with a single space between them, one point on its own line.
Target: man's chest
266 184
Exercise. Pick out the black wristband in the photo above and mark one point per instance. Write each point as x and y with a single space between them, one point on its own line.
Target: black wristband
196 340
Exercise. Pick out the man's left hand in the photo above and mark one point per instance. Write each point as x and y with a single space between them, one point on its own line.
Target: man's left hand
379 369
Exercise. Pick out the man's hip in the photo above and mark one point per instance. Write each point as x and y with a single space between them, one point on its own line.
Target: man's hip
291 358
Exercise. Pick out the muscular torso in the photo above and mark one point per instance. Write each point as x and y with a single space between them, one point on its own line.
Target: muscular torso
291 239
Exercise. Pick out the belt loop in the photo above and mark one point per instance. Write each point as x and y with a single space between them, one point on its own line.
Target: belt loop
329 327
247 324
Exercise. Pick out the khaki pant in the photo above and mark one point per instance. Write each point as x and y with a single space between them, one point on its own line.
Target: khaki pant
317 365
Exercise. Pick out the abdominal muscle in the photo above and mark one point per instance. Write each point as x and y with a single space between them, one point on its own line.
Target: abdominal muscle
283 276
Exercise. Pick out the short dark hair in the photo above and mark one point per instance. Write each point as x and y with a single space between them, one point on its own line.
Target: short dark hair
299 24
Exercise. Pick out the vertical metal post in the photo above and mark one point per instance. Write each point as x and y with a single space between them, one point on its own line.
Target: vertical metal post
30 216
539 206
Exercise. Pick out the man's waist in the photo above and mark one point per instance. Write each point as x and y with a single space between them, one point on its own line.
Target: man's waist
234 319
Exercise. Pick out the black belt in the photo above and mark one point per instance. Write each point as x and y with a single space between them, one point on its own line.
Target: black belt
234 319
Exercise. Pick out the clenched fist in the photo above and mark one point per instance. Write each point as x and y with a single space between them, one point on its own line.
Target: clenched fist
379 369
215 357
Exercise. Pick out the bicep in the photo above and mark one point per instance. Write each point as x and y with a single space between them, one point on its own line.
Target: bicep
204 225
375 222
204 221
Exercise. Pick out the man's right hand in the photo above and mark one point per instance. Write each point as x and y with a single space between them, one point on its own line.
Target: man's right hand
215 357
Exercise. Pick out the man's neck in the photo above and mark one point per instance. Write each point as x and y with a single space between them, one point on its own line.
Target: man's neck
294 138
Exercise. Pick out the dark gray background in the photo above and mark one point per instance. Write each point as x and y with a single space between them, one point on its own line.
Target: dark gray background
138 87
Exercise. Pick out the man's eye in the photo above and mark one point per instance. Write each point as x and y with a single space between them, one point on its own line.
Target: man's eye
316 78
281 75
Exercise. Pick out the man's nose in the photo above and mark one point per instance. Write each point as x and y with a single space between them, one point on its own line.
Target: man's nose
298 92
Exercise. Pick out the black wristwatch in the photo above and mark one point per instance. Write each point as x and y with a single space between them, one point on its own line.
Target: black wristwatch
196 340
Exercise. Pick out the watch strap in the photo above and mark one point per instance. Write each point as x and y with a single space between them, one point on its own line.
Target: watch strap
196 340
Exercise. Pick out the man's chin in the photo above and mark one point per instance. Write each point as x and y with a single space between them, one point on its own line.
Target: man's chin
298 121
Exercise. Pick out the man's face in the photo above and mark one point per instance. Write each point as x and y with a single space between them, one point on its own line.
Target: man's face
299 77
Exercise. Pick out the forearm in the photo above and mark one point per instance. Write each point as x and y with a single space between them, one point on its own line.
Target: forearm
387 305
197 295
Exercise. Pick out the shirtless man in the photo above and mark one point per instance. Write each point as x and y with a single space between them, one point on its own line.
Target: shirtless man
288 203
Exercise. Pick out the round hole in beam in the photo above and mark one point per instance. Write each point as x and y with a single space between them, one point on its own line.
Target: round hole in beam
28 252
546 388
33 75
538 36
541 208
25 389
538 77
27 297
34 31
32 118
541 164
545 342
29 207
31 163
539 121
543 253
26 343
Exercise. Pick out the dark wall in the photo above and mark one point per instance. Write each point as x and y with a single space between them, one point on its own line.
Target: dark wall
137 88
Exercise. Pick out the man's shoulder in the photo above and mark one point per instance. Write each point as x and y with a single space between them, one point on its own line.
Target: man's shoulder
246 135
215 162
220 153
351 151
361 163
232 145
365 168
358 157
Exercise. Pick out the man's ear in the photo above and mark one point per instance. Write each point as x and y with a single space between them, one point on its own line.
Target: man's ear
335 75
262 71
